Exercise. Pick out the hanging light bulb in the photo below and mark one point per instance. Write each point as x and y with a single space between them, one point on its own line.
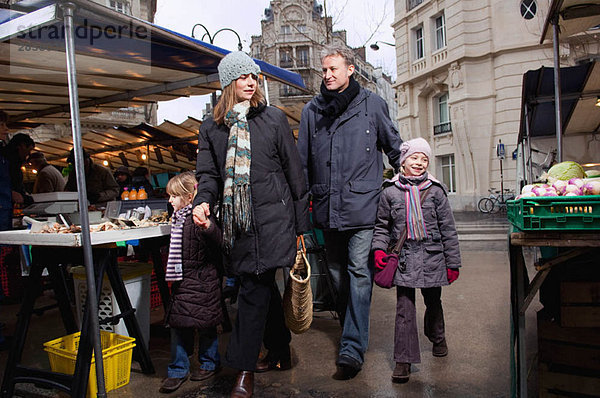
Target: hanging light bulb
598 101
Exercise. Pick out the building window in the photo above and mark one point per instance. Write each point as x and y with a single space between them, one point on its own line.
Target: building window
448 171
413 3
440 32
302 53
285 58
528 9
443 116
419 43
288 91
302 28
285 29
117 5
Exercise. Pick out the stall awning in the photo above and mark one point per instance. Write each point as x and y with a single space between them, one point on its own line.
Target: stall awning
575 16
580 86
121 62
168 147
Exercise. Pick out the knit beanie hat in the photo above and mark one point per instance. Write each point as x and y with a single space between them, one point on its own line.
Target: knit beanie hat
413 146
234 65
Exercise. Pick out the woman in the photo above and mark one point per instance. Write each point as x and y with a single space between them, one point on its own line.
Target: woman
249 164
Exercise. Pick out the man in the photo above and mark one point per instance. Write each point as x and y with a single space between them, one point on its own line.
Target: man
12 190
3 128
48 179
13 155
123 178
100 184
342 132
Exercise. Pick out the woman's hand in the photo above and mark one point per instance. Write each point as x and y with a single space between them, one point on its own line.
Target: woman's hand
201 214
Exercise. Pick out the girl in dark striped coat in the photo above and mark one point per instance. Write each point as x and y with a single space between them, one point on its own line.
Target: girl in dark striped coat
194 254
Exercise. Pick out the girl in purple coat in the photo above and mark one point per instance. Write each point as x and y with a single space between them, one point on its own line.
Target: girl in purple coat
429 258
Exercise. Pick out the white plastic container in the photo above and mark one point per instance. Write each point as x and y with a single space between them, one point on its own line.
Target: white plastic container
136 277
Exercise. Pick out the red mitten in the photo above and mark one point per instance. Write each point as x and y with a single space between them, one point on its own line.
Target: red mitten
452 274
380 261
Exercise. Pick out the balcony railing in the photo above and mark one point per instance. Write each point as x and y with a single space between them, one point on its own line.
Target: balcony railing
413 3
442 128
286 64
287 91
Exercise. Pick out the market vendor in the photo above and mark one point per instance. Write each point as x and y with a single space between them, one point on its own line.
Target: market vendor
48 178
123 178
100 184
12 157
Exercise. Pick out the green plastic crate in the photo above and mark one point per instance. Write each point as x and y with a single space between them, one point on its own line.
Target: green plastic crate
553 213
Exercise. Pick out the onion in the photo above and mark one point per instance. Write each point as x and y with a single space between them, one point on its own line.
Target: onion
576 181
592 188
560 186
527 188
573 189
539 191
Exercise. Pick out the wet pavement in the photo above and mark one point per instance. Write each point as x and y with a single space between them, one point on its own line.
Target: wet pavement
476 311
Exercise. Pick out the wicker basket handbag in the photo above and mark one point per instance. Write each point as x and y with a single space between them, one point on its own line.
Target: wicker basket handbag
297 298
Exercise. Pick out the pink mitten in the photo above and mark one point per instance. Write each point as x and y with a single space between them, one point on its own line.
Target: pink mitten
452 274
380 261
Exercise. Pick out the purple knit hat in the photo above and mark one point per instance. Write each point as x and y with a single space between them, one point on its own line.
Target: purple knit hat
413 146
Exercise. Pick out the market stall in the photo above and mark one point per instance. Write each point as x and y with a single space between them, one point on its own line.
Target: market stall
560 121
63 60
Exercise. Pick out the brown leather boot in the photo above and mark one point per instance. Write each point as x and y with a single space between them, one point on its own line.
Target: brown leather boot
244 385
401 372
273 361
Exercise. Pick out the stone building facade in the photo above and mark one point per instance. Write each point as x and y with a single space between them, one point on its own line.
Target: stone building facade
293 33
460 66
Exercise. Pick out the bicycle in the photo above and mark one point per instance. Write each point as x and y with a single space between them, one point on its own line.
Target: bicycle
494 201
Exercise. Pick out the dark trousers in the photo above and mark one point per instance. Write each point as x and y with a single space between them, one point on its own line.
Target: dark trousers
259 319
406 339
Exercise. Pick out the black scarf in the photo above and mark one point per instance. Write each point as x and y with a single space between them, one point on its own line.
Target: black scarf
338 102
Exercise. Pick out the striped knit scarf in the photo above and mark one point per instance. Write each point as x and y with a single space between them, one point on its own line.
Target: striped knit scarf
415 225
174 263
236 191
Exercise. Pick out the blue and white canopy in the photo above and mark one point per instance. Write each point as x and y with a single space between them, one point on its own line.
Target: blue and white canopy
121 61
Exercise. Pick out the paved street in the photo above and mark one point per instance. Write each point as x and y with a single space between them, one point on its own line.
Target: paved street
477 326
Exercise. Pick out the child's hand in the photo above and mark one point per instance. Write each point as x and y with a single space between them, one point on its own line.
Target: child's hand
201 214
380 261
452 274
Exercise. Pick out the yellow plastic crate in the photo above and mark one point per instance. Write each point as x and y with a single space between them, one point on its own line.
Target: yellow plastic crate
116 354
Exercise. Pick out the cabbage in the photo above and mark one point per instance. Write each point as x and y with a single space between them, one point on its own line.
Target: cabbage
566 171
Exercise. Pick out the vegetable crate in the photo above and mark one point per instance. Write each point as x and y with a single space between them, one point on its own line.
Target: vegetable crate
555 213
116 355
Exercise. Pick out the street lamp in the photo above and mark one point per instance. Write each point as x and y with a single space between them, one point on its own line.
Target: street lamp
212 38
213 96
375 47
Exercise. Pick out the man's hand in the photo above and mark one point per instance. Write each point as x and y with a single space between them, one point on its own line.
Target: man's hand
201 214
17 197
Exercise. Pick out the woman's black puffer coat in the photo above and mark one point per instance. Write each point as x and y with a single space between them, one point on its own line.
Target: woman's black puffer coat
278 189
196 300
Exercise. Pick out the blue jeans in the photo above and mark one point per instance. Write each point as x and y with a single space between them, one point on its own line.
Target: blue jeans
352 275
182 347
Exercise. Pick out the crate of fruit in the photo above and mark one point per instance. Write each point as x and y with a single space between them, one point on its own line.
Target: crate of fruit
555 213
